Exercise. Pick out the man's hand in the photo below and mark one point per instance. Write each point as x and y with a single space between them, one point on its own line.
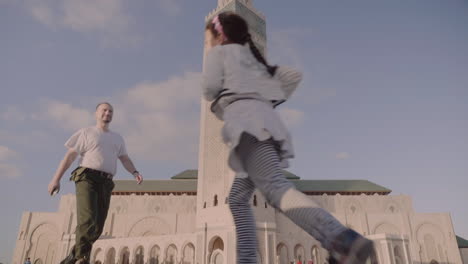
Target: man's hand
54 187
138 177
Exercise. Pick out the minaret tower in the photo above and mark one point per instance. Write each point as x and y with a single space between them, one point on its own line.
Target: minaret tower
215 227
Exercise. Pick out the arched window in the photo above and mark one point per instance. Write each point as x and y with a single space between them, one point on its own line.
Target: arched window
189 254
255 200
218 244
217 258
282 254
216 248
155 255
139 255
398 255
171 255
215 202
110 256
125 256
299 253
98 255
431 249
315 254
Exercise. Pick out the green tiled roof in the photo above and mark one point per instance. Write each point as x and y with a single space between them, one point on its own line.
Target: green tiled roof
462 243
156 186
333 186
193 174
186 182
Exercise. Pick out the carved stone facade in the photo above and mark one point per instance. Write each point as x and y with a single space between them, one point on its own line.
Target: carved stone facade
162 229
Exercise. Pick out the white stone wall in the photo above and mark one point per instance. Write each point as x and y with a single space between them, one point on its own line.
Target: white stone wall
464 255
169 223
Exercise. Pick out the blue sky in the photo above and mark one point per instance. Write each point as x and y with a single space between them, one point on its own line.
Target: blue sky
384 96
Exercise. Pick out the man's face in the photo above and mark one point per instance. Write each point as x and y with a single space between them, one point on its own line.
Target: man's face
104 113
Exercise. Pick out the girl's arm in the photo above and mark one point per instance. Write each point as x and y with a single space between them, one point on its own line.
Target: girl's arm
289 78
213 74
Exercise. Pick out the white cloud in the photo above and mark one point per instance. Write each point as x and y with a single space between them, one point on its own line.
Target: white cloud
342 155
158 120
286 47
64 115
161 120
291 117
106 18
43 14
6 153
95 15
12 113
7 169
171 94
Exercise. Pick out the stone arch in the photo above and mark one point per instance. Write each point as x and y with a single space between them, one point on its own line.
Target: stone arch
98 255
42 244
124 255
282 253
398 255
441 253
386 228
299 253
171 254
315 254
430 247
216 244
430 228
430 237
110 256
139 255
217 257
149 226
155 255
188 253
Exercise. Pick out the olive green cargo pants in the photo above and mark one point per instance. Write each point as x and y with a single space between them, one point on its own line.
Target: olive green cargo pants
93 194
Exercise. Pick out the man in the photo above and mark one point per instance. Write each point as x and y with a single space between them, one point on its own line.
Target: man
28 261
98 148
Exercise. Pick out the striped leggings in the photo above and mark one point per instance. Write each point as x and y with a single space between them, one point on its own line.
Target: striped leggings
261 161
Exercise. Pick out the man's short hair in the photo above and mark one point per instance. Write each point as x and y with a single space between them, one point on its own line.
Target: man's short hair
101 103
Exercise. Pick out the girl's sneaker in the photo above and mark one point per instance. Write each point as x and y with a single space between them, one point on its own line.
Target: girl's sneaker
350 247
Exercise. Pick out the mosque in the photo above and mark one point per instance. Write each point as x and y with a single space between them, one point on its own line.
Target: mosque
186 220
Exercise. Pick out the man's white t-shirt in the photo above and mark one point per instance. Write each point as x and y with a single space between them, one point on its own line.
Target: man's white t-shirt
98 149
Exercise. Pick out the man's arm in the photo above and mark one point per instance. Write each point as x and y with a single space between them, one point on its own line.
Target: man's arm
66 162
128 165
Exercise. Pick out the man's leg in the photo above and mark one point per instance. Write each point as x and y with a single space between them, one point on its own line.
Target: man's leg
70 259
105 191
87 207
